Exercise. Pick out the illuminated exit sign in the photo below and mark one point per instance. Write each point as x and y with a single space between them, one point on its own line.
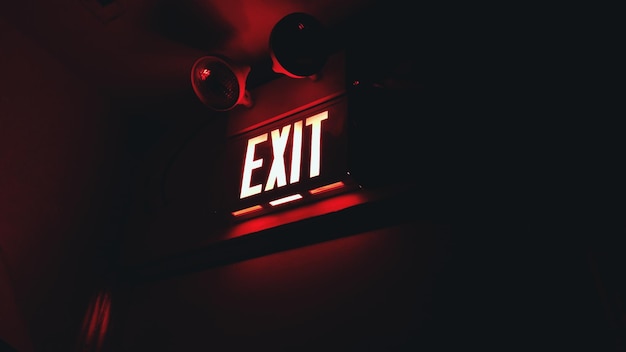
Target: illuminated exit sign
288 162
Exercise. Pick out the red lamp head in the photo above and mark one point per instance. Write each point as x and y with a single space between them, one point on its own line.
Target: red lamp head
219 84
298 46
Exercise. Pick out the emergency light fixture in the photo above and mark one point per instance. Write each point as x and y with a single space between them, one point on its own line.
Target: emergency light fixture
298 46
220 84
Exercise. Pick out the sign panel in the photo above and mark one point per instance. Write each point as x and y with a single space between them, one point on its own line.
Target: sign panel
291 161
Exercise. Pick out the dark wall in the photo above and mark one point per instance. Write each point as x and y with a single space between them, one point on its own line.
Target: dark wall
356 278
482 281
59 210
367 291
478 259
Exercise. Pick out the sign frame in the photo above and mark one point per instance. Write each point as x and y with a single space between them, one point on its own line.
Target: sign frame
260 164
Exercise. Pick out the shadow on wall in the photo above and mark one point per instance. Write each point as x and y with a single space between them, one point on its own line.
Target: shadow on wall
57 161
13 333
5 347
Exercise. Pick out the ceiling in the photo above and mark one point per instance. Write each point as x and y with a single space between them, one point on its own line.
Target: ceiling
146 47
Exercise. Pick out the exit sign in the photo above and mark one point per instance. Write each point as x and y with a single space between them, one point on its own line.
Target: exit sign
292 161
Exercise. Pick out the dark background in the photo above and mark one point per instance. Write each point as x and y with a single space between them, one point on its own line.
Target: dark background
503 231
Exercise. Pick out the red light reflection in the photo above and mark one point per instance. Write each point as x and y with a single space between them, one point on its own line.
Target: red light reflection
96 323
323 206
204 74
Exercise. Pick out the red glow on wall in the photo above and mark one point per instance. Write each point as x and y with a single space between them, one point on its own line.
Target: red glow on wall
323 206
96 323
